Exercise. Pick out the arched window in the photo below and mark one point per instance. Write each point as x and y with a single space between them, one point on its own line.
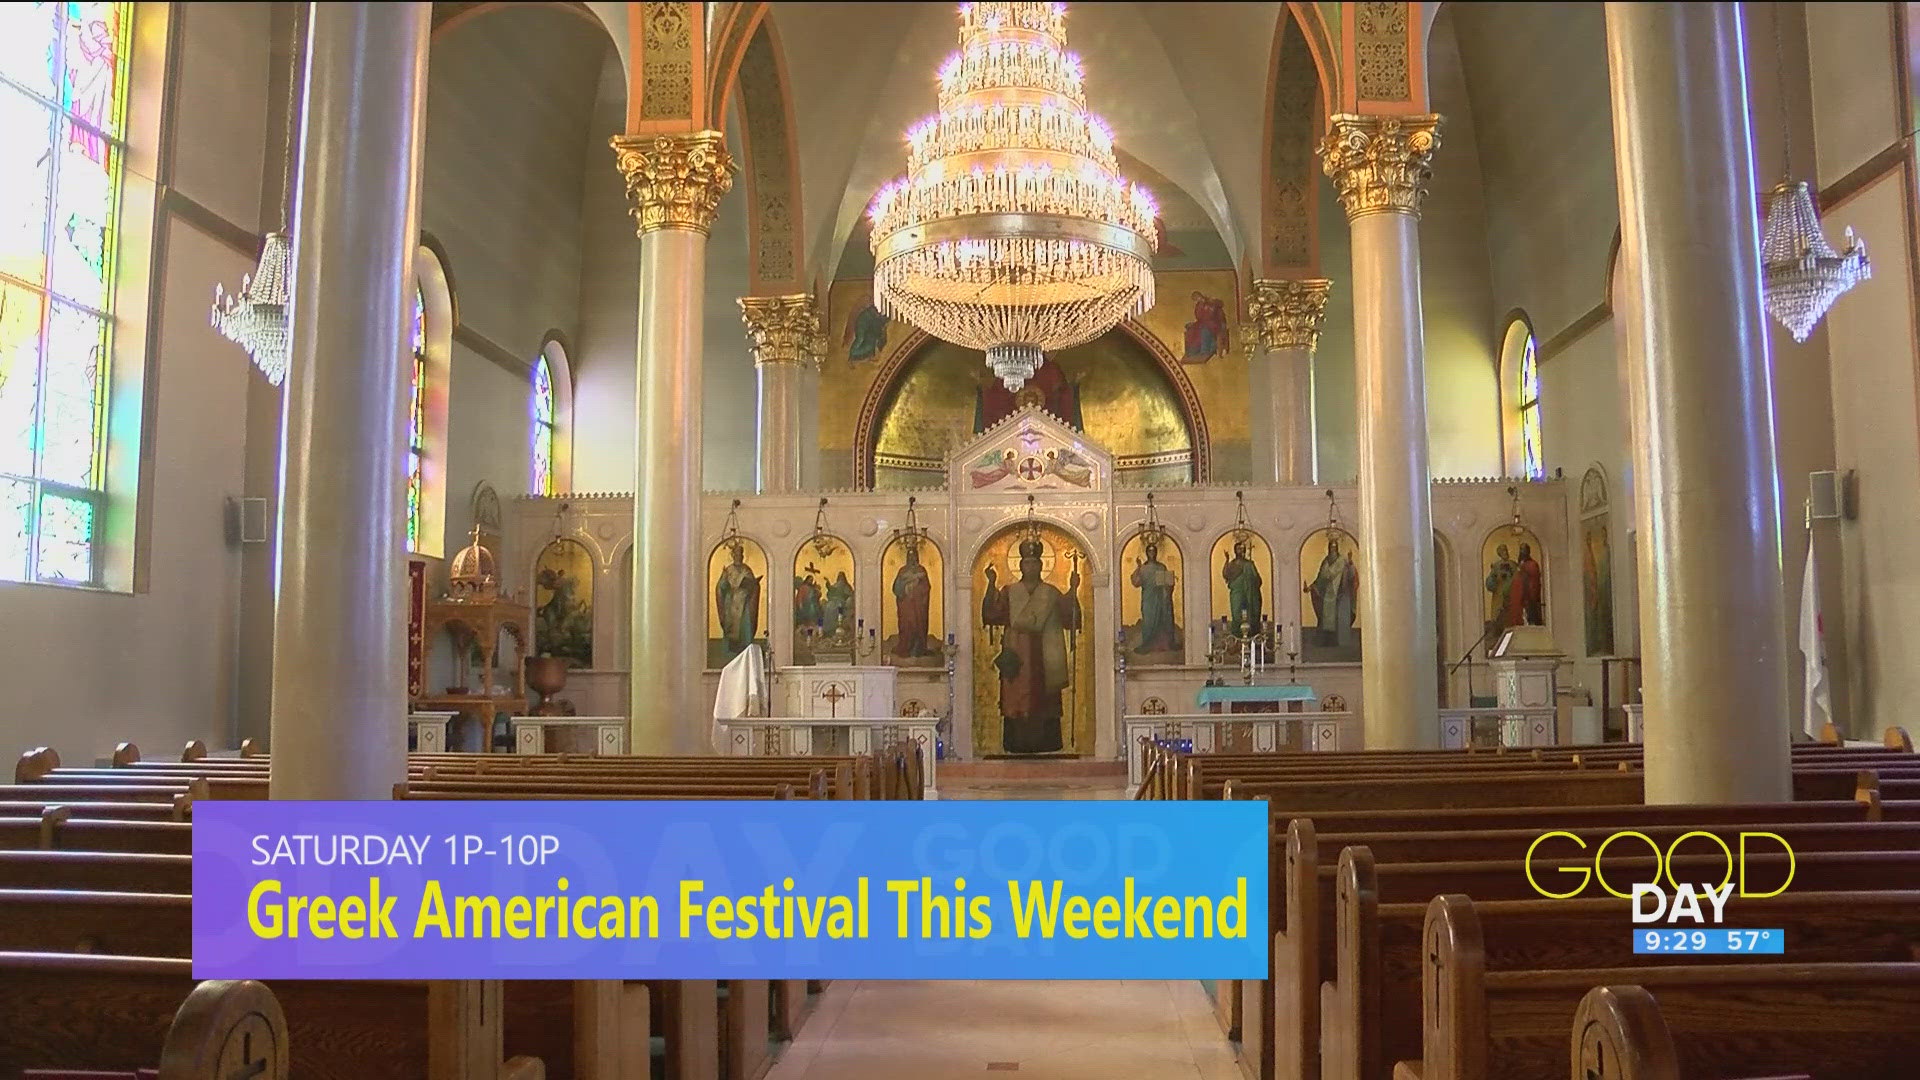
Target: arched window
1520 400
63 113
417 421
428 360
542 482
1530 454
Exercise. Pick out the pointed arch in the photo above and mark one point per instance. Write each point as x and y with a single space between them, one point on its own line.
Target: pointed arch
1297 93
776 256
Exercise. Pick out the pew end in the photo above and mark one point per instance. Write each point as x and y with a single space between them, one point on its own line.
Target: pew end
1619 1034
194 751
227 1028
249 748
35 764
1896 738
1454 1048
125 754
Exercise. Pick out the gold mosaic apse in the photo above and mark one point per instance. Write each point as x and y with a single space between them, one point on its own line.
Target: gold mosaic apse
1111 388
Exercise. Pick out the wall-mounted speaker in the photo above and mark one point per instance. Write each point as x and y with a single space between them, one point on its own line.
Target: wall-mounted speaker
1829 495
247 520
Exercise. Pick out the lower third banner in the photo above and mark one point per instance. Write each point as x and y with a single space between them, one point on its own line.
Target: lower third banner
702 890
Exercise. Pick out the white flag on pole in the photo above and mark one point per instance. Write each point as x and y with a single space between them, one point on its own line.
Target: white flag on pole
1818 707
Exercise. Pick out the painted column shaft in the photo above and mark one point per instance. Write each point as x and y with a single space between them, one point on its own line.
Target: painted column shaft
667 699
1712 616
339 699
1401 707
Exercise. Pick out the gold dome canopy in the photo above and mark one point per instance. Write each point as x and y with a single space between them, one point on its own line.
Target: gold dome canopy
473 574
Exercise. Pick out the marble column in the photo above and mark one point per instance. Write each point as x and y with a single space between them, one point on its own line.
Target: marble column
674 183
1287 315
1713 640
339 703
1380 166
786 338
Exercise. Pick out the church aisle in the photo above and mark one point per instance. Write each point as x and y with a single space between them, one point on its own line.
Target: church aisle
1041 1030
882 1030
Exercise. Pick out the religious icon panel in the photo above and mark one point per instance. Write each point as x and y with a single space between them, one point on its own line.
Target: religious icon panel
737 583
1241 583
1151 577
1032 659
1596 579
563 603
913 617
1515 580
824 623
1330 581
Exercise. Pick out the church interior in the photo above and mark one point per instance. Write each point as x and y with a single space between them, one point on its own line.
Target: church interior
1442 421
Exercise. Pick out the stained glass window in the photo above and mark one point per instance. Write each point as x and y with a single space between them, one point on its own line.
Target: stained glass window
542 428
1532 455
417 419
63 103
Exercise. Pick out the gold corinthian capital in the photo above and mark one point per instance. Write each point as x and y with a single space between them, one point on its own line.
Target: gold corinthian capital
1288 313
783 329
674 181
1380 164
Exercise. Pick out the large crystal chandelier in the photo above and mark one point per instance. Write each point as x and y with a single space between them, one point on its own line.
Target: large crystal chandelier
1013 231
1800 273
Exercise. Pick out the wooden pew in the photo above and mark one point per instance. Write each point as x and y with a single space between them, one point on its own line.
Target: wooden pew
1745 1019
1280 1025
1620 1034
96 871
114 1012
120 1014
1370 1009
54 830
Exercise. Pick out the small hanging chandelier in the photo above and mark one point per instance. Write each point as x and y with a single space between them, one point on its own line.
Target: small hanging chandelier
255 318
1013 231
1152 534
823 541
1801 275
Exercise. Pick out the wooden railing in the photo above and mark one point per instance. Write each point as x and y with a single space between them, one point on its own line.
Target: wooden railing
1502 726
806 736
1258 733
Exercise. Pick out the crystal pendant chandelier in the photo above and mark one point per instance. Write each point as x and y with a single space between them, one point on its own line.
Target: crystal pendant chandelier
1013 231
255 318
1801 275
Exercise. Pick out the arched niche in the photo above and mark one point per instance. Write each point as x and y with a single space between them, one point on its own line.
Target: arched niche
563 586
1331 578
736 598
825 622
1236 554
1152 581
1123 389
913 614
1514 580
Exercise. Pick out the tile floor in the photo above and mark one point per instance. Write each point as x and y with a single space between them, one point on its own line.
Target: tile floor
1026 1030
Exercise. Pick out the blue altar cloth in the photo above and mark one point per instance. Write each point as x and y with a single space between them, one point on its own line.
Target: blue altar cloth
1282 692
